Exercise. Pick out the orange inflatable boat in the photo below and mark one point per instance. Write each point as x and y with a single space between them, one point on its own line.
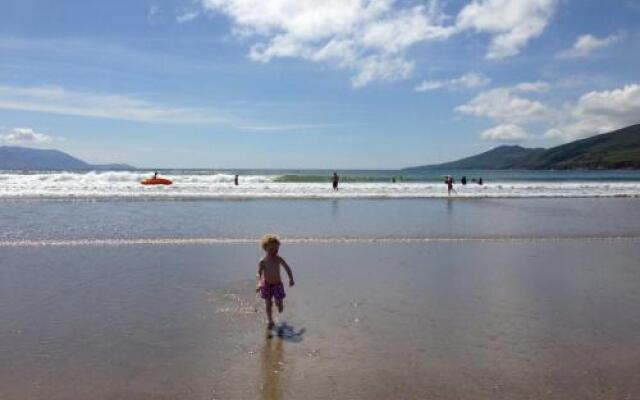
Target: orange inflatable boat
156 181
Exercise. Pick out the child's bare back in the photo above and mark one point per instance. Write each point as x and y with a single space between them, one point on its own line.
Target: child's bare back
269 282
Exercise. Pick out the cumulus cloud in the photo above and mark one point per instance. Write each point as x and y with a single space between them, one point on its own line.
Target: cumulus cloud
587 44
371 37
23 136
505 133
514 109
506 105
469 80
599 112
512 24
368 37
510 107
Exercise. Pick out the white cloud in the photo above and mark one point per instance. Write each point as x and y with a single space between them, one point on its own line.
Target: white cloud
513 109
23 136
58 100
368 37
512 24
380 67
469 80
371 37
153 14
505 105
187 16
599 112
505 133
587 44
537 86
426 86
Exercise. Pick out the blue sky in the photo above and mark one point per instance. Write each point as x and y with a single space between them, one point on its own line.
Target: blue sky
310 84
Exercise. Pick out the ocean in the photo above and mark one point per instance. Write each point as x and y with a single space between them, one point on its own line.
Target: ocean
308 184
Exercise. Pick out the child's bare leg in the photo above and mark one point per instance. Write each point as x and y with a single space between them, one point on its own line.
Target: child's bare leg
269 304
280 305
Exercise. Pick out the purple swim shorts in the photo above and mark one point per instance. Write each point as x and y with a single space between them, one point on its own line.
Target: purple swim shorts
275 290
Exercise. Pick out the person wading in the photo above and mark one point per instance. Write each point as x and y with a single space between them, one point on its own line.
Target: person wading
335 179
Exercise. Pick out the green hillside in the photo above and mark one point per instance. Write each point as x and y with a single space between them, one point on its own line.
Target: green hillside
614 150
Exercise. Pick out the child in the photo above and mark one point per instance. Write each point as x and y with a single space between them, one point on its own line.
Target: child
269 282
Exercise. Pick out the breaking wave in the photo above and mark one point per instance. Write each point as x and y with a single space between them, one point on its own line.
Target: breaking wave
126 185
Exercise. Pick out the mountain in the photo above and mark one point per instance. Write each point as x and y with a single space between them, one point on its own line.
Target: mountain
614 150
503 157
23 158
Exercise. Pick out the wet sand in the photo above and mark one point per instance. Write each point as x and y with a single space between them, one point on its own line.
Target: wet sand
398 218
462 320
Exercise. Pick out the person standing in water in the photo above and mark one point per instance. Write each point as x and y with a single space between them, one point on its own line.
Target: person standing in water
235 180
335 179
449 181
155 175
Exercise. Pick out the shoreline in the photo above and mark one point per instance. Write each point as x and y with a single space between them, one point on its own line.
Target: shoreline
207 241
143 198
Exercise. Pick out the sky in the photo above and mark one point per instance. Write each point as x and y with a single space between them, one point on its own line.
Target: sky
338 84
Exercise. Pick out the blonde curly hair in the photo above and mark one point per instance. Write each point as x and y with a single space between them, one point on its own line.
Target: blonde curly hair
268 239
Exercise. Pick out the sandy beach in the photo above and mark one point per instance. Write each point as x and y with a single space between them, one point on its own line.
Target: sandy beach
554 318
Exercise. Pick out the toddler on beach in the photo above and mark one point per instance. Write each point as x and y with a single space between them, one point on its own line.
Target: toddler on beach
269 283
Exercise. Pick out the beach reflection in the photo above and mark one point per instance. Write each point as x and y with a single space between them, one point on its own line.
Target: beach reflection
271 369
334 209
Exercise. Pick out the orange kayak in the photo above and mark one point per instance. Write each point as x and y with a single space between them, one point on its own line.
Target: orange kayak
156 181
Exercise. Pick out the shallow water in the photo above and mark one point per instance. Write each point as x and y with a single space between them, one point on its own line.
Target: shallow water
442 320
406 218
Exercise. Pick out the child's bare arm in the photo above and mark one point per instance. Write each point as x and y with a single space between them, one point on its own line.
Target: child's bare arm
288 269
260 270
259 275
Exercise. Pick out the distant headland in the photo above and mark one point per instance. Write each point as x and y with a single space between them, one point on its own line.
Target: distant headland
614 150
23 158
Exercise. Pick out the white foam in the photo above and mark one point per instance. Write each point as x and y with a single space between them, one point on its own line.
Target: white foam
178 241
126 185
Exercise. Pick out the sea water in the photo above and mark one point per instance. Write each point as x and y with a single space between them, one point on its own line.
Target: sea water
255 184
